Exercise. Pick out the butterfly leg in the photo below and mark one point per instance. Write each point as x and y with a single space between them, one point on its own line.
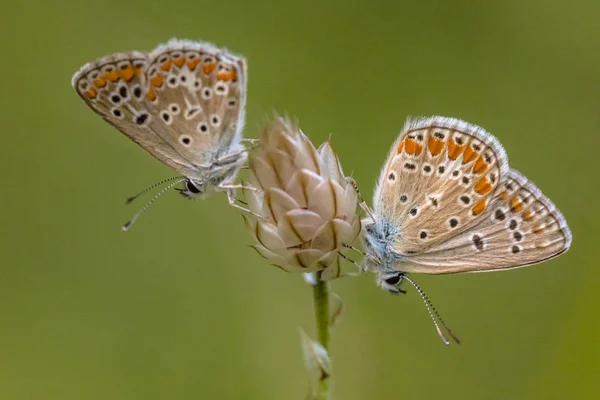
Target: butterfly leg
353 262
232 158
361 201
369 261
232 202
250 140
364 267
355 249
231 197
239 187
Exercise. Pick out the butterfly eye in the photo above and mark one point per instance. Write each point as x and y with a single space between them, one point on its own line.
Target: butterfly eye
393 280
191 187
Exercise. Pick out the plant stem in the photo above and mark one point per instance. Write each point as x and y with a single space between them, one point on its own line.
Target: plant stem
321 300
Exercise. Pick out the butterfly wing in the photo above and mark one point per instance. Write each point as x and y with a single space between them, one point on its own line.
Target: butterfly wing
183 103
115 87
200 96
520 227
439 180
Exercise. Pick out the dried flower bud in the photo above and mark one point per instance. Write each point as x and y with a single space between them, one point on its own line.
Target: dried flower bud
308 209
317 362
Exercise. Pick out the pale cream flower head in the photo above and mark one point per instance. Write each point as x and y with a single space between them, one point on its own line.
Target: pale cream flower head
308 208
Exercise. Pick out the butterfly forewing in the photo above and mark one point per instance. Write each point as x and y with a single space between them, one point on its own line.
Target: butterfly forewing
200 96
183 102
520 227
115 88
439 180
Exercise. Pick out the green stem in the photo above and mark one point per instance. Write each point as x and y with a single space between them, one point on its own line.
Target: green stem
321 299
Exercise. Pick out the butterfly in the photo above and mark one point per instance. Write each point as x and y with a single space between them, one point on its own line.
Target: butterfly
184 103
447 202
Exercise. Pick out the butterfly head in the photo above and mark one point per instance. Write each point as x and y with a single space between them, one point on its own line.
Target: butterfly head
380 258
194 189
391 281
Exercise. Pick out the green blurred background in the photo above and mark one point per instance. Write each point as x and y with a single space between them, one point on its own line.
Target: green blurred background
181 308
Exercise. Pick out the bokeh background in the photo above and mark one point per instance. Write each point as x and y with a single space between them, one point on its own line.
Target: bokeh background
181 308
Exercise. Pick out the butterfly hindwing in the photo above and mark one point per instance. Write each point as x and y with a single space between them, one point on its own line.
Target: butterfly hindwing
520 227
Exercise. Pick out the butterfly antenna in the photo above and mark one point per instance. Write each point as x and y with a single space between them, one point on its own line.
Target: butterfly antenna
126 227
432 311
361 202
132 198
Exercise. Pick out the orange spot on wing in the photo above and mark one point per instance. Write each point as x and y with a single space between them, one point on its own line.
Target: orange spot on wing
138 71
479 207
435 146
128 73
100 82
503 195
167 65
192 63
480 166
179 62
538 228
208 68
112 76
401 147
234 75
483 186
412 147
469 155
454 150
157 81
527 215
91 93
225 76
515 204
151 95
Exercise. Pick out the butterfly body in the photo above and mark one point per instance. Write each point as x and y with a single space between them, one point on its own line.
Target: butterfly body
184 103
447 202
222 171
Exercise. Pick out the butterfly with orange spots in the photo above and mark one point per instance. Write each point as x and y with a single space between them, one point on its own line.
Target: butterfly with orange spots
447 202
184 103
